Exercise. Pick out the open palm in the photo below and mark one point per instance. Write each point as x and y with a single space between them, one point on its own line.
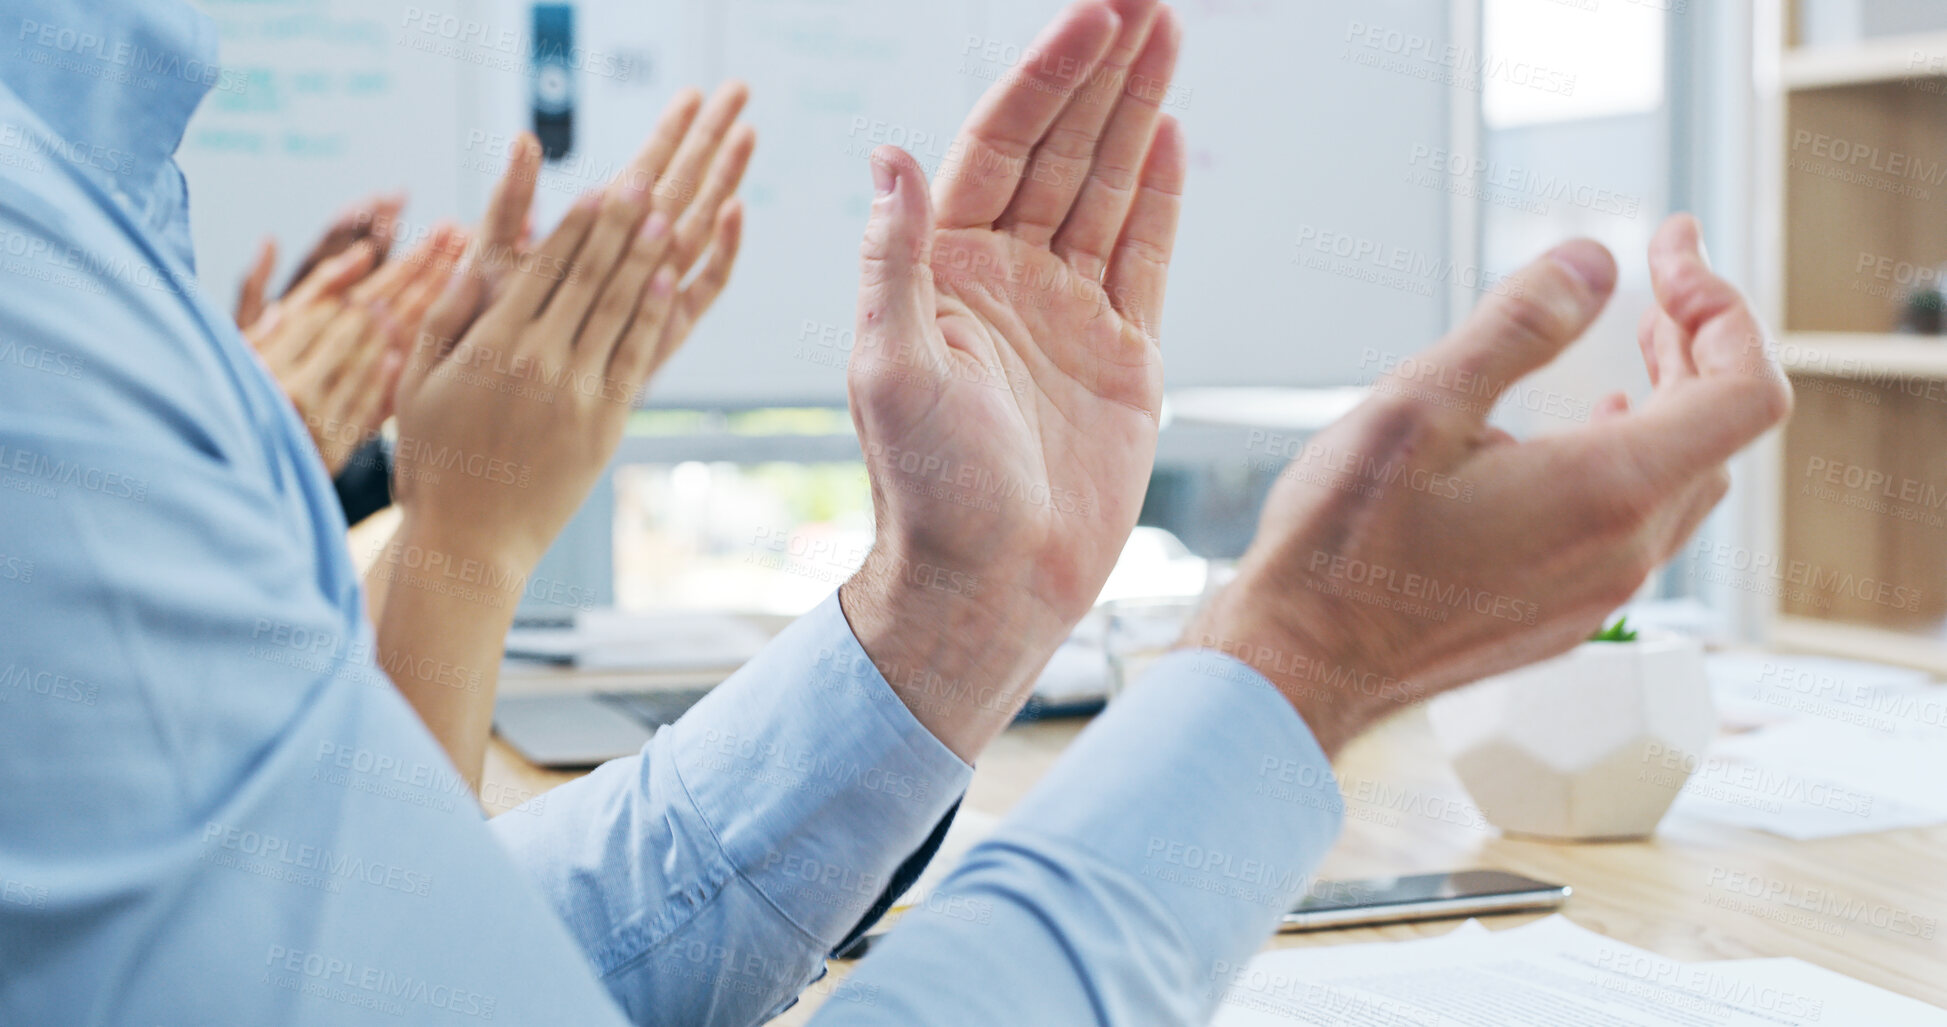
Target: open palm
1007 380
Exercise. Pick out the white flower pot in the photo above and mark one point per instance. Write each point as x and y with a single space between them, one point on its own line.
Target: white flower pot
1593 744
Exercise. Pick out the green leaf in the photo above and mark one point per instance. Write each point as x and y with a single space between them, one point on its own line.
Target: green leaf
1617 632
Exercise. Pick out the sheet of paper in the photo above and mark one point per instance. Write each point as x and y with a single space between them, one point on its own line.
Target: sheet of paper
1821 747
1820 778
1543 975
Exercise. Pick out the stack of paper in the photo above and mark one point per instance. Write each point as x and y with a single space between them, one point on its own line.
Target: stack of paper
1547 974
1820 747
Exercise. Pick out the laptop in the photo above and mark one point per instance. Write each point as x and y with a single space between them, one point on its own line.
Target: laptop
574 732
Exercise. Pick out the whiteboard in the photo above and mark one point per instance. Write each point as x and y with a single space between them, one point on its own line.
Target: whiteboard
1294 132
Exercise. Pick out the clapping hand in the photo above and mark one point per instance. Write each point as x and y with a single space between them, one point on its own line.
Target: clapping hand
1008 379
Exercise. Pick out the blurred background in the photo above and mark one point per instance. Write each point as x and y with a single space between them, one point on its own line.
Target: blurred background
1362 174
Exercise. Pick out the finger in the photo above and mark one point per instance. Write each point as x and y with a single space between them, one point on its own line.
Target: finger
291 334
726 173
416 300
353 224
1139 269
505 224
677 186
896 296
553 265
603 251
672 128
394 277
325 363
502 235
334 276
1713 318
637 356
1061 162
1092 227
701 294
991 154
1672 348
617 306
628 202
1516 331
250 298
1611 407
382 227
1739 392
353 394
1646 341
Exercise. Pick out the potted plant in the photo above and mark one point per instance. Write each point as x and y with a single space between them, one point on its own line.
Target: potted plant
1594 744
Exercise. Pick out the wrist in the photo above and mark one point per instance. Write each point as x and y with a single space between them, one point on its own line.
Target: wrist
1335 689
431 559
960 650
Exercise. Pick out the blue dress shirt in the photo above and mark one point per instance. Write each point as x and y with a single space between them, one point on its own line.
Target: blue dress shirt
215 809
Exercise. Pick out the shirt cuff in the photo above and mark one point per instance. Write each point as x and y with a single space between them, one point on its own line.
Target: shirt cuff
1204 784
813 775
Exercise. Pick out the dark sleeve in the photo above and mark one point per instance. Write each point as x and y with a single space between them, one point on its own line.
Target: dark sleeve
365 485
902 879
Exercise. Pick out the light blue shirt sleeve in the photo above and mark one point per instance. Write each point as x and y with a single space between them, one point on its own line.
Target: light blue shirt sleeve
1134 881
709 877
218 810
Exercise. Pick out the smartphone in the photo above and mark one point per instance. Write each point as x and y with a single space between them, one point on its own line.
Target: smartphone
554 79
1390 900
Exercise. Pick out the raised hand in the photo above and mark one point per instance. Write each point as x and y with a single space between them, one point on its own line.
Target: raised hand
1412 548
522 380
338 342
372 220
1007 379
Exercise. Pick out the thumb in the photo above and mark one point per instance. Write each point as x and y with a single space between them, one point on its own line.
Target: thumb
250 299
896 296
1525 322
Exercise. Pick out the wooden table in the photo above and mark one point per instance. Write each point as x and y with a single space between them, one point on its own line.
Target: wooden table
1683 894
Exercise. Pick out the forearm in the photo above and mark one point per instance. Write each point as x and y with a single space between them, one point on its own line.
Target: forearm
709 877
1151 863
441 632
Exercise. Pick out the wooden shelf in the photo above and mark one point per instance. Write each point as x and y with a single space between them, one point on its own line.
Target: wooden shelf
1890 59
1858 642
1863 355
